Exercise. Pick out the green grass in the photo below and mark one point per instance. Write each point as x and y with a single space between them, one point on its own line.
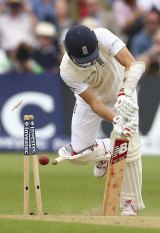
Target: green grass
67 189
151 185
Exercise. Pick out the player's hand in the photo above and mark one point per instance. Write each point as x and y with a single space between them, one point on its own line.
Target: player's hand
127 128
125 106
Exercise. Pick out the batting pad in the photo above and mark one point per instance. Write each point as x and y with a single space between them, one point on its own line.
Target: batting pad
132 180
132 184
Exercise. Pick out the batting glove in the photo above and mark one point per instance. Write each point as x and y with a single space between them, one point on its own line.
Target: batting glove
127 128
125 106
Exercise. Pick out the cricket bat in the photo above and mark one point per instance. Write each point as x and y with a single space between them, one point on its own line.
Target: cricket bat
114 179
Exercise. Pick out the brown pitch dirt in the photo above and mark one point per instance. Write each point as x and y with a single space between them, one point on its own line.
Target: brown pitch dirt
140 221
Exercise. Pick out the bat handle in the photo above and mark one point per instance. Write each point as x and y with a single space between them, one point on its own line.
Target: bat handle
57 161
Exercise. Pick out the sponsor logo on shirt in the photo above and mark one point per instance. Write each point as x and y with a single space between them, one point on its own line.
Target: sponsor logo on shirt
100 61
114 42
89 76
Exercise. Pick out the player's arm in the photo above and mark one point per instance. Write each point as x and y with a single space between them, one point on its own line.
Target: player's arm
125 58
97 106
133 70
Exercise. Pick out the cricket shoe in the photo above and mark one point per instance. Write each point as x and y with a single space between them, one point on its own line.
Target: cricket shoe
100 168
129 209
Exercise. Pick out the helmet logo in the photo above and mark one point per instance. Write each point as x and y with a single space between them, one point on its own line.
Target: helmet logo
84 50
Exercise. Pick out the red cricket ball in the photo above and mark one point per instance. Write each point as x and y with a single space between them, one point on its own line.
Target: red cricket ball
43 160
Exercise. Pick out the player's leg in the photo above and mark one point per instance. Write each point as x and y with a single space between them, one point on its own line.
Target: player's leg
131 198
84 145
84 127
85 124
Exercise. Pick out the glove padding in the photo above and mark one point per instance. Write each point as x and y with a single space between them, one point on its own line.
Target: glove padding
125 106
126 127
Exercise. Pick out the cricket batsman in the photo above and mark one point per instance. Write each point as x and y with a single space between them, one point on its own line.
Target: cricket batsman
103 75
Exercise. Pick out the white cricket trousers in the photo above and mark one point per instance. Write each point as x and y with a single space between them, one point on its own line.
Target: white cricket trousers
85 124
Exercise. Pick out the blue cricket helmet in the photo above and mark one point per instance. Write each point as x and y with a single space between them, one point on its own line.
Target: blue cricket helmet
81 44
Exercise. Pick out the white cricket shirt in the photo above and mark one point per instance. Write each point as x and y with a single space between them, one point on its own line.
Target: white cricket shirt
105 77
